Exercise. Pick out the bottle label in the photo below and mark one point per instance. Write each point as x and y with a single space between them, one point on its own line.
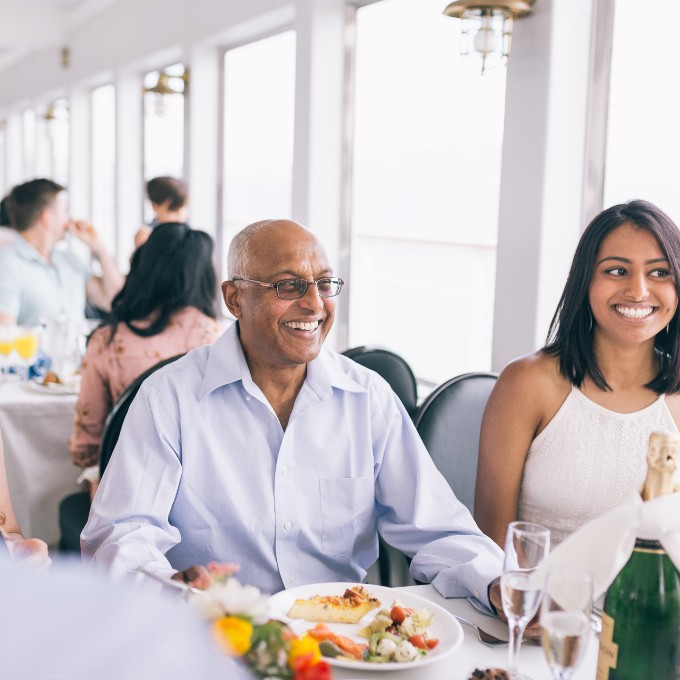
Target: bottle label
645 546
609 650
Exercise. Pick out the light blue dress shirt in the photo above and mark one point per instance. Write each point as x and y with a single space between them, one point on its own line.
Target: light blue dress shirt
35 290
204 471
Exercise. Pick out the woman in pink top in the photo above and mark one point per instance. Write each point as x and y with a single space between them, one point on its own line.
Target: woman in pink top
166 307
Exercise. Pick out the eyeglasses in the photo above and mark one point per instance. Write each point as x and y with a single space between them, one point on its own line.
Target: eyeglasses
292 289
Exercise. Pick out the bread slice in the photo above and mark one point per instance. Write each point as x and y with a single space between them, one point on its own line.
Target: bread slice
348 608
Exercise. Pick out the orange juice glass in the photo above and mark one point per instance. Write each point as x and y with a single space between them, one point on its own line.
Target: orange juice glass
26 344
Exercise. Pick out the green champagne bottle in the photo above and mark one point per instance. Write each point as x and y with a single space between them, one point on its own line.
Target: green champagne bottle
640 637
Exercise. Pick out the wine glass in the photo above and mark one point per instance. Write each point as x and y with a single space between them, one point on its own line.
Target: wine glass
565 619
526 545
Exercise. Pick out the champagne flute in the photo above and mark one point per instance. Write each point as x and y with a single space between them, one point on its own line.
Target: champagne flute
565 619
526 545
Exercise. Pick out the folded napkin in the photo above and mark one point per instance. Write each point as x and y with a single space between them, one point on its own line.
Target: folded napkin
604 544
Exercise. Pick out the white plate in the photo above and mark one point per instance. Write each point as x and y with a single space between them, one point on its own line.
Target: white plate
37 385
444 627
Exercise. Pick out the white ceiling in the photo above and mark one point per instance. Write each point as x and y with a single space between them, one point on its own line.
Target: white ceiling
34 25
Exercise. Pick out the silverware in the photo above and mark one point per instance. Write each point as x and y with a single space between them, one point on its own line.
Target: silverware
484 636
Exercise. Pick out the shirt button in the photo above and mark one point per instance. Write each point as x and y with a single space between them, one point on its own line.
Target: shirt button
284 469
476 593
248 397
291 579
288 526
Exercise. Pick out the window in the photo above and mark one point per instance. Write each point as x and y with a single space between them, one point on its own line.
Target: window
58 130
103 172
29 143
259 109
425 191
643 138
164 122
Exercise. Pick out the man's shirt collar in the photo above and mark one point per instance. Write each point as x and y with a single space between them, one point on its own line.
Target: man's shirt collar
227 364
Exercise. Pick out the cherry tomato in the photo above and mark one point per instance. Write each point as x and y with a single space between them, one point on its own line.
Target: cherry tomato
398 614
418 641
431 643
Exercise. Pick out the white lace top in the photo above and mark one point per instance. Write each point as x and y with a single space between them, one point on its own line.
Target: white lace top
586 461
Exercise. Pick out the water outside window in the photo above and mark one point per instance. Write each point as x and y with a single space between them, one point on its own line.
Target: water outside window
103 171
28 127
426 181
643 136
259 109
164 127
59 141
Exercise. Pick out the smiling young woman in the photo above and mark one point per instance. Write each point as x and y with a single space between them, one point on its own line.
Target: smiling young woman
565 429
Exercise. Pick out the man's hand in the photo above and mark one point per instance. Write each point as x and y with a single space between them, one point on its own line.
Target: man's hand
84 230
195 577
32 552
533 629
495 598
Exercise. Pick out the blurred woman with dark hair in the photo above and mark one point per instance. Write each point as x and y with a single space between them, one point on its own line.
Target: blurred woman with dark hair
165 308
565 431
169 199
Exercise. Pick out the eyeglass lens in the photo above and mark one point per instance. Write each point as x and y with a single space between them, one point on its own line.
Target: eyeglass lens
290 289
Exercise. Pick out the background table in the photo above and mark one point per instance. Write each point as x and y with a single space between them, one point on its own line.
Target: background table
472 653
35 429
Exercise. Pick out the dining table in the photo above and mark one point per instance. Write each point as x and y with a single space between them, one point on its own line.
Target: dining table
35 423
472 654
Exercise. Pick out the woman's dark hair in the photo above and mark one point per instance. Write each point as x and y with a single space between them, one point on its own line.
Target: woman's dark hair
569 336
172 270
167 189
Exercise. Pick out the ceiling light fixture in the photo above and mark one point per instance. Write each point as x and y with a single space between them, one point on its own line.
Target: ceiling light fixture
486 30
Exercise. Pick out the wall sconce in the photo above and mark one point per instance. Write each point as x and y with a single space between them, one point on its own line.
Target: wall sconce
51 113
486 30
167 84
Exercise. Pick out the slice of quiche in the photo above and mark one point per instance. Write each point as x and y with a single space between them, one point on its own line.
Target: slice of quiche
347 608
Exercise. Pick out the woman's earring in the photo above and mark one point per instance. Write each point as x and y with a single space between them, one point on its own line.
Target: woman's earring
590 319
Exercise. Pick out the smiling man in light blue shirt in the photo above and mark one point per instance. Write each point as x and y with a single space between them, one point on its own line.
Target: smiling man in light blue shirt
267 450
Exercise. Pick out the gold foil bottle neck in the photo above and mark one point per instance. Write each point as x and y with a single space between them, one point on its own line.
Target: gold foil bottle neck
662 462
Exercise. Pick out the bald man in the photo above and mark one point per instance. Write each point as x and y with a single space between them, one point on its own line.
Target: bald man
268 450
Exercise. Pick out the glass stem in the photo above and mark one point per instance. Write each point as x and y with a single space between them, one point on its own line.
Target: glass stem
516 632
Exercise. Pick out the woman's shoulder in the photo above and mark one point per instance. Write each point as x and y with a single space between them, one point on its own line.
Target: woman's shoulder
194 320
533 388
537 370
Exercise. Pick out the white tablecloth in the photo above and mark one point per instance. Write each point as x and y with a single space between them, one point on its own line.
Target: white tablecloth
35 429
473 654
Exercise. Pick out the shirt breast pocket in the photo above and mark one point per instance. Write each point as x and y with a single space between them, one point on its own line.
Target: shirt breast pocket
347 509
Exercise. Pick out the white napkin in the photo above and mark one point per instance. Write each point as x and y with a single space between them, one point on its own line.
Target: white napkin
604 544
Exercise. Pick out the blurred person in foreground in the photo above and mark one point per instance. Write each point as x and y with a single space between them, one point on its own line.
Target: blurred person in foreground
31 552
565 432
68 624
39 281
169 199
267 450
165 308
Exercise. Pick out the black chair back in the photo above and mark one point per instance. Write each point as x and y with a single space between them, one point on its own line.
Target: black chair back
75 509
393 369
114 421
449 423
